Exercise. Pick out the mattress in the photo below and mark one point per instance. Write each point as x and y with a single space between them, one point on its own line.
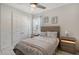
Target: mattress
36 46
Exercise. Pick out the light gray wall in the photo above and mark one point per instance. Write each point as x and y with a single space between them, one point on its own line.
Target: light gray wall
0 27
5 27
68 18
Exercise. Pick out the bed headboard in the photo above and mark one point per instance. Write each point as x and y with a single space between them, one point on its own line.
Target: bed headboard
51 29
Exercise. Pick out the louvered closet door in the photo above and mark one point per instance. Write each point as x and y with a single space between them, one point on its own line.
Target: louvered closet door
5 27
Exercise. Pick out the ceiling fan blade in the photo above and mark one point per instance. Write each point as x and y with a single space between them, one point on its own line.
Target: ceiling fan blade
40 6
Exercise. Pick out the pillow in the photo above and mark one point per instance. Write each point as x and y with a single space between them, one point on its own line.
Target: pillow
44 34
52 34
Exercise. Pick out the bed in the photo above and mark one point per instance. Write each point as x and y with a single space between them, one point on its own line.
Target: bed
39 45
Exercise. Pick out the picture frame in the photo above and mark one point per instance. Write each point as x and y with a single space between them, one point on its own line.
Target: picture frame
54 20
46 19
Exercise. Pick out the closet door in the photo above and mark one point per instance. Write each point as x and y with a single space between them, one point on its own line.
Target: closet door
21 26
17 28
5 27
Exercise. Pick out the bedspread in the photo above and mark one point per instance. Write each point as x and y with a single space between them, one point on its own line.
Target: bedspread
37 46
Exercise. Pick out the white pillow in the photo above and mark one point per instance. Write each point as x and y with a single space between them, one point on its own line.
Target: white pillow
44 34
52 34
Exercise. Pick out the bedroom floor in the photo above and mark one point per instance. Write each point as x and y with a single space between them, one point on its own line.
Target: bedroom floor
59 52
10 52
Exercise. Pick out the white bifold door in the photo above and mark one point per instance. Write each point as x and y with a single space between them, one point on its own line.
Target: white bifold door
15 26
21 26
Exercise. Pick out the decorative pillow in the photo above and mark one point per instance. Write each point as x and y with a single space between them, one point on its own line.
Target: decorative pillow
44 34
52 34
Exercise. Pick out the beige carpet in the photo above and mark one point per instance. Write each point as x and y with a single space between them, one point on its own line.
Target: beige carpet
10 52
59 52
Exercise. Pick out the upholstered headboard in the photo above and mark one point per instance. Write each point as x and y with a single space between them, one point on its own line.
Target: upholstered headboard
51 29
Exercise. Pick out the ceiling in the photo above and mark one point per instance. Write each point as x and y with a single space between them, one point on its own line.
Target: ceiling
27 8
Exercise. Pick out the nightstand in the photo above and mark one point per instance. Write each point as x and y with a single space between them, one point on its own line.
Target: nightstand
68 44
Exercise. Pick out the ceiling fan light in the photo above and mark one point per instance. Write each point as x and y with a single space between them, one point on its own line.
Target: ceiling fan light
33 5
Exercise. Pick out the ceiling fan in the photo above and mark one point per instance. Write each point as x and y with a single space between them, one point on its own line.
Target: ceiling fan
37 5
